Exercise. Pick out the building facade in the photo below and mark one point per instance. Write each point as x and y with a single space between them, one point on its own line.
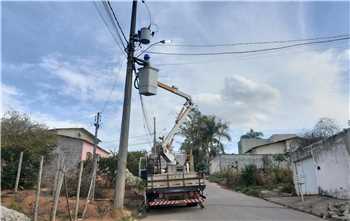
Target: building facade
73 145
240 161
324 167
276 144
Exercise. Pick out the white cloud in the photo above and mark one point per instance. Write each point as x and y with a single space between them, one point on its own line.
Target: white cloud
84 79
12 100
8 98
277 91
53 122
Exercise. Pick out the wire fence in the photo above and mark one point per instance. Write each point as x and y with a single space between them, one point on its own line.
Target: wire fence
52 188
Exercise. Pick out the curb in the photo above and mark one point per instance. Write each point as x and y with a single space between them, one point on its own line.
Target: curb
295 208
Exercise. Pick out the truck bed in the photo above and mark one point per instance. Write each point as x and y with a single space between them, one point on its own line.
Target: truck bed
174 180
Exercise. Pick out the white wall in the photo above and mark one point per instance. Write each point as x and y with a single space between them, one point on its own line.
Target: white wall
333 169
327 165
305 170
240 161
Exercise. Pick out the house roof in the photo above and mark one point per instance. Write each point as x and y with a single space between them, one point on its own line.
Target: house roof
83 130
275 138
78 128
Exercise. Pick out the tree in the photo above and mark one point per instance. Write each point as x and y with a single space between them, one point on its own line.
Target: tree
133 161
324 128
204 135
253 134
19 133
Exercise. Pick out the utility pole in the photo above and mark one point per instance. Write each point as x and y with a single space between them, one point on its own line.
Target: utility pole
94 155
124 133
91 191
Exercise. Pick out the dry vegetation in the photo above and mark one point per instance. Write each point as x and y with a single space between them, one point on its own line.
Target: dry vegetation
253 181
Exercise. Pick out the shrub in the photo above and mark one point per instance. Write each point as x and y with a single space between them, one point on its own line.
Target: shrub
280 175
20 134
288 188
249 176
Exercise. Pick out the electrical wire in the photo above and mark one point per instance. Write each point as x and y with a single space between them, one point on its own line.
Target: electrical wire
250 51
268 54
145 118
113 21
114 85
116 19
137 138
149 13
121 47
255 43
145 115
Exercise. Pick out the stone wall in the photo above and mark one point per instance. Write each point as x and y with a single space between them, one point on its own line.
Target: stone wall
71 149
240 161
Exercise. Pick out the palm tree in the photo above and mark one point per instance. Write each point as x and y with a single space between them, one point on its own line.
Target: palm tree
253 134
203 136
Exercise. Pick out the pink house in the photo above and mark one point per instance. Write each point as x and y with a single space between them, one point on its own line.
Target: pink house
73 145
86 141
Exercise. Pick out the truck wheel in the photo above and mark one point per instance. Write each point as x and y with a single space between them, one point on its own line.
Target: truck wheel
192 204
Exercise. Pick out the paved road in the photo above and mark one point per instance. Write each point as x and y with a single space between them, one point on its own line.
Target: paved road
229 206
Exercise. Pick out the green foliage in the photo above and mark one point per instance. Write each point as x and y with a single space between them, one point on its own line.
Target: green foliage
249 176
253 134
19 133
204 135
133 161
252 180
107 167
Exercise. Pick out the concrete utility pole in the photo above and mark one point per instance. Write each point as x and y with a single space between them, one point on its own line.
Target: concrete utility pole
94 155
91 191
124 133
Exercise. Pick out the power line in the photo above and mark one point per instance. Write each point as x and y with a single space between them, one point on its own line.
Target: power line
121 47
116 19
250 51
136 144
133 144
111 18
145 115
143 138
148 11
114 85
247 56
254 43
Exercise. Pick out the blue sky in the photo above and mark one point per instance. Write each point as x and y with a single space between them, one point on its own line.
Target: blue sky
60 65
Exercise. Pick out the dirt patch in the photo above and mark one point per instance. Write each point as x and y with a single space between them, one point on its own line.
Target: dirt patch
100 209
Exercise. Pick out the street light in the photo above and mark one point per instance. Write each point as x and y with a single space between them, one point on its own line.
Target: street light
151 45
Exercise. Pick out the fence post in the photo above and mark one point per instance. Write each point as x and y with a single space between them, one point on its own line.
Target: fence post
78 191
58 165
67 195
19 171
37 198
57 192
89 195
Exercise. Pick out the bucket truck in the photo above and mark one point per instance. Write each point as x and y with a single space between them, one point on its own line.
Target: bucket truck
170 180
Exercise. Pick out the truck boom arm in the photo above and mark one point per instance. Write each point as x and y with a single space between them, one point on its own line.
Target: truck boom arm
166 151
